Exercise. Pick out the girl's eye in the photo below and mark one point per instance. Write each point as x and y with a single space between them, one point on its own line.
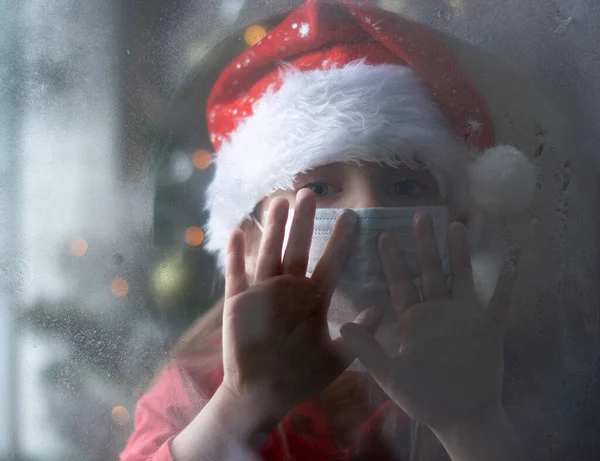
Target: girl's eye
409 188
321 189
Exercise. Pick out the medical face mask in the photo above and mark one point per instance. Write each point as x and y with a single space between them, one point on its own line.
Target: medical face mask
362 282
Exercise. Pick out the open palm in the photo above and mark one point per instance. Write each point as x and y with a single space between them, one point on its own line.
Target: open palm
450 363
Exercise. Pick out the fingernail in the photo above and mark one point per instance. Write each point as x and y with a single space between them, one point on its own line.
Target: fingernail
423 217
350 217
457 234
348 332
282 208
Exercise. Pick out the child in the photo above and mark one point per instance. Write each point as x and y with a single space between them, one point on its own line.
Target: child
343 107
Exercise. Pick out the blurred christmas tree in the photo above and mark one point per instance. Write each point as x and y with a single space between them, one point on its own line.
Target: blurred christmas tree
131 296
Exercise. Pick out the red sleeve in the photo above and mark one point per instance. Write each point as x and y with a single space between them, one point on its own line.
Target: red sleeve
164 411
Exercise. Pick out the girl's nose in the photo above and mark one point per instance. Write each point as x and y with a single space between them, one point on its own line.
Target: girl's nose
367 198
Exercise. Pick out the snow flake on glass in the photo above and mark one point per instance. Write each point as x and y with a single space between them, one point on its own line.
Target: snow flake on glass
474 125
304 30
562 24
294 26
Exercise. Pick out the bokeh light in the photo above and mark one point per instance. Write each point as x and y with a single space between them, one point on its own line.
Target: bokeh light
169 275
393 5
194 236
120 415
78 246
201 159
181 168
457 5
119 287
255 34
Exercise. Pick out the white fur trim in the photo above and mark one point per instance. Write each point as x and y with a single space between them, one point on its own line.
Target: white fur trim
356 113
502 180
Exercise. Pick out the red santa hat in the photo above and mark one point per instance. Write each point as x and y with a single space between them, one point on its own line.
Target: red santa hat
337 82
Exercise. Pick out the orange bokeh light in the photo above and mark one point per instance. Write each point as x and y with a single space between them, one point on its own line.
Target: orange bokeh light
119 287
255 34
201 159
78 246
120 415
194 236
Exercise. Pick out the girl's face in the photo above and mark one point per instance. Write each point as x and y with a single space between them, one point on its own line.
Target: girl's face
342 185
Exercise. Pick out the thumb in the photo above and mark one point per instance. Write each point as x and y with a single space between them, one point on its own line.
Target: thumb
369 319
368 350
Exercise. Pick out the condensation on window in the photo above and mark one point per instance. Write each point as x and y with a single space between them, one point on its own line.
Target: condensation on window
105 162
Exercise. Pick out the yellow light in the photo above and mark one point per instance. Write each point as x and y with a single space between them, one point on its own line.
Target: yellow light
194 236
78 246
119 287
169 276
255 34
201 159
458 5
120 415
395 6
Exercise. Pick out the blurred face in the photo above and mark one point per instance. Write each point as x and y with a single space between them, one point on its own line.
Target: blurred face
341 185
351 186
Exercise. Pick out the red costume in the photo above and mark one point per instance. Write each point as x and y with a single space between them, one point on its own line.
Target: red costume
309 432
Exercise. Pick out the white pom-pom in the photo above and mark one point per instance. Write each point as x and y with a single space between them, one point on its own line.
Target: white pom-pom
502 180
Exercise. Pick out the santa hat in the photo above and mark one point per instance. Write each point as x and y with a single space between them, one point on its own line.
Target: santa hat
337 82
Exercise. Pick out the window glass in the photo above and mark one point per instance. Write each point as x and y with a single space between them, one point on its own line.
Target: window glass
109 146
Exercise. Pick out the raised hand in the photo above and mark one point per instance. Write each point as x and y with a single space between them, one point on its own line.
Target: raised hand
276 343
448 371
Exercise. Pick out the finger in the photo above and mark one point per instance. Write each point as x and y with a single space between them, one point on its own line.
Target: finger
295 260
369 319
371 354
235 265
428 254
402 290
269 255
328 268
499 306
460 263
